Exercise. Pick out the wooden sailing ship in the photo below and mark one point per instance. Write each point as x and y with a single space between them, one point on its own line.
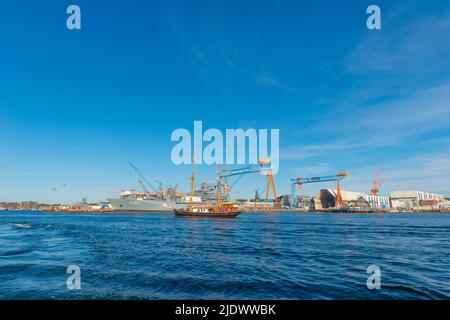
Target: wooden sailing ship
217 210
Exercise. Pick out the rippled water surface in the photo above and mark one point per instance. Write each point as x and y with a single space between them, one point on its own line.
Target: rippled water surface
256 256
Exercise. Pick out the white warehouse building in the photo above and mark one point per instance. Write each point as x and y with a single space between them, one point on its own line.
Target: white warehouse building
326 198
378 202
410 199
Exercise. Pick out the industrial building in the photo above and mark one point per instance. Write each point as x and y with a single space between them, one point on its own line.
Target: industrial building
378 202
302 202
326 198
207 192
413 199
402 200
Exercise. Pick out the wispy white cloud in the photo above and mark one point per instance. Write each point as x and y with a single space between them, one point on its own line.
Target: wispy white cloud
418 113
222 64
401 99
301 152
200 56
418 47
270 81
384 125
428 172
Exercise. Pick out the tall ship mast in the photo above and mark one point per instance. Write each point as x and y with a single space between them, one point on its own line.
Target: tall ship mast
215 210
192 182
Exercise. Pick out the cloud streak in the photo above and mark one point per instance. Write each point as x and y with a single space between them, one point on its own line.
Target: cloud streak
418 47
271 82
427 172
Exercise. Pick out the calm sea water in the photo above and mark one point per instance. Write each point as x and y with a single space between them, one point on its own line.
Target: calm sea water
256 256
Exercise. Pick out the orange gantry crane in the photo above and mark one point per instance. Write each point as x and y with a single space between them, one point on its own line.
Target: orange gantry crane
270 179
300 181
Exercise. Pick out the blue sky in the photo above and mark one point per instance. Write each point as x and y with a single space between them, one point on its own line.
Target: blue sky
75 106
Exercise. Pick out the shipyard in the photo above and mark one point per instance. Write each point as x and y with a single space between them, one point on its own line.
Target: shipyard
207 159
204 195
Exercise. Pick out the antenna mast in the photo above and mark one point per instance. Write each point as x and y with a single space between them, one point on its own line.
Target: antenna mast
192 184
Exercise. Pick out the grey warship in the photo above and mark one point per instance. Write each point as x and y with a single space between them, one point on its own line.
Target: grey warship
137 202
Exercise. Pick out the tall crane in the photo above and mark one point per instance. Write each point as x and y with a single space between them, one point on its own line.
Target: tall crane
140 174
262 167
377 184
300 181
270 181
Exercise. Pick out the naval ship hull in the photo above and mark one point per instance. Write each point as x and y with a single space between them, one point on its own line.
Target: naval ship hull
142 206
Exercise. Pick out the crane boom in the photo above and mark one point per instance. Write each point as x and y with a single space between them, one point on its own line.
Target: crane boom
263 167
299 181
140 174
143 186
240 171
377 184
160 184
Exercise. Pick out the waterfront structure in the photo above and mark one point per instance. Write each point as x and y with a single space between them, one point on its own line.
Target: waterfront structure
413 199
207 191
301 202
326 198
401 200
252 205
10 205
378 202
29 205
300 181
22 205
444 205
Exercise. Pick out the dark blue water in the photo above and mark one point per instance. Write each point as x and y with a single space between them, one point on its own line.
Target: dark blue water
256 256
